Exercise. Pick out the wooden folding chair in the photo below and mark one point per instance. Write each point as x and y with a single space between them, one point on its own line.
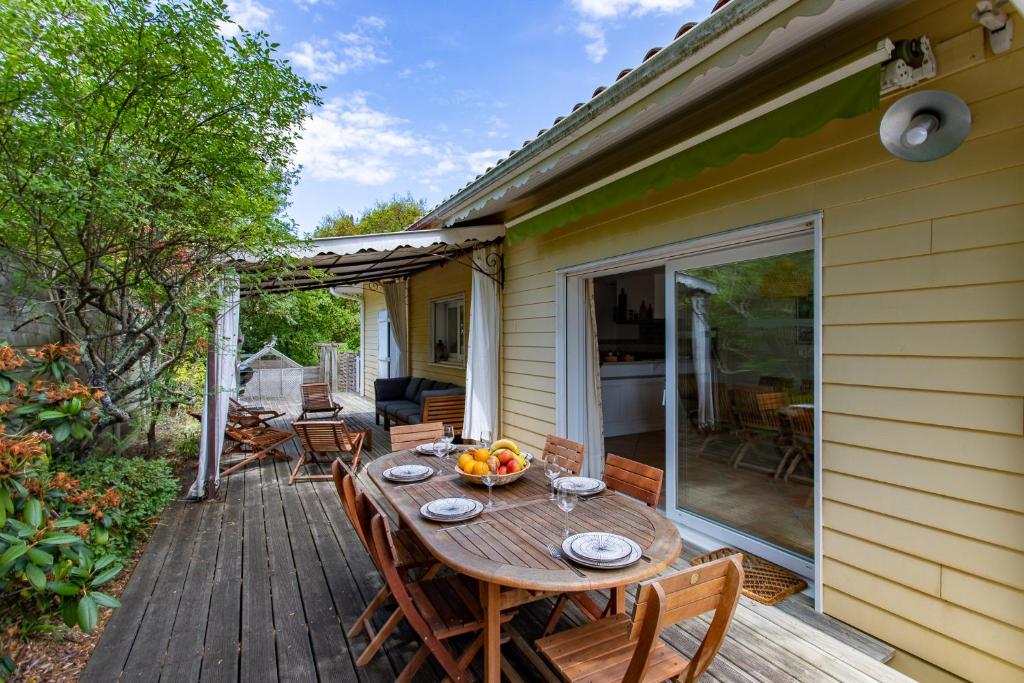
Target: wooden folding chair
256 444
620 648
633 478
317 398
569 453
328 438
801 423
757 412
437 609
404 437
262 415
360 510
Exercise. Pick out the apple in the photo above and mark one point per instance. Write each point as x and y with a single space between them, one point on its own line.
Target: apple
512 466
504 456
502 470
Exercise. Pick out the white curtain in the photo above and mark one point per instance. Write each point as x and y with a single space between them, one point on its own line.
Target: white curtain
483 348
329 365
593 464
221 384
703 365
396 298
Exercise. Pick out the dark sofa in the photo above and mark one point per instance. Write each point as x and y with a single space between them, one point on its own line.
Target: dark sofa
414 400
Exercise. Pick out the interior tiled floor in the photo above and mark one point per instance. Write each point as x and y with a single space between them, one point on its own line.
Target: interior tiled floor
749 500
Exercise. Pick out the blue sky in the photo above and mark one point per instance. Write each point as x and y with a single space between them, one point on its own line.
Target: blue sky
422 96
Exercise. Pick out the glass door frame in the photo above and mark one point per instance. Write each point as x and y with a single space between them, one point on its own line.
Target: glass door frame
806 239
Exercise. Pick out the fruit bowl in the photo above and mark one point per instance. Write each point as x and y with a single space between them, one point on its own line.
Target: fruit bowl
474 465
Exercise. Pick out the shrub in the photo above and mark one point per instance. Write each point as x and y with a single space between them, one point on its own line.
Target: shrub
145 488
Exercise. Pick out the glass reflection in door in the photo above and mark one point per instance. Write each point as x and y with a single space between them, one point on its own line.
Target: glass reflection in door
745 364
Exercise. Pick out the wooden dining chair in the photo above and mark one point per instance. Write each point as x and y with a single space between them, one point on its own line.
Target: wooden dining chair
325 438
360 510
569 453
757 412
263 415
801 448
437 609
633 478
630 649
256 444
404 437
317 398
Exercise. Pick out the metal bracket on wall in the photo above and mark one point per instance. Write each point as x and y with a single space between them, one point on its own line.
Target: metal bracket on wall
494 262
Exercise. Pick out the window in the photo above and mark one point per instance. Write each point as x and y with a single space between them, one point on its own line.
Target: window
448 330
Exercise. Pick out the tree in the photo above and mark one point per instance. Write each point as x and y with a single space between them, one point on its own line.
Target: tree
300 321
389 215
140 152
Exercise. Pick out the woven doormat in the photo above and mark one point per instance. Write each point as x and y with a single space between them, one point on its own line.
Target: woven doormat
763 581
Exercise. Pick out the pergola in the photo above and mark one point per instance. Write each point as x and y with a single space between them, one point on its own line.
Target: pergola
337 262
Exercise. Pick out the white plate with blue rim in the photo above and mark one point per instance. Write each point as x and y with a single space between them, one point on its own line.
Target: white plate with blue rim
581 486
590 550
451 509
406 474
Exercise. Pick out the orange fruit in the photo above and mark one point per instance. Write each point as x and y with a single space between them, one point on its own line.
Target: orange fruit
481 468
481 454
465 460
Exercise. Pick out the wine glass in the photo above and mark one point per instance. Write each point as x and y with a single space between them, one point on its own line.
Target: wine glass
449 436
441 451
552 471
566 501
489 480
485 439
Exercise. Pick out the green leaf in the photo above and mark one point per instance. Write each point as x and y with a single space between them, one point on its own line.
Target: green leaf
3 516
60 539
104 600
66 523
5 385
76 406
33 512
5 500
69 611
61 432
56 372
13 553
40 557
105 562
103 577
87 613
36 576
63 588
78 431
51 415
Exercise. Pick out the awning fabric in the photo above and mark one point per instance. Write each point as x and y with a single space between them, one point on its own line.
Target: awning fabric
847 98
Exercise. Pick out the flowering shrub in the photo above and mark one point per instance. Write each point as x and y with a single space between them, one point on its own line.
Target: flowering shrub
53 531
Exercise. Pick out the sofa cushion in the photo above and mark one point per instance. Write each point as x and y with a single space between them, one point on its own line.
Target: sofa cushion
413 388
390 389
425 385
386 406
410 414
395 408
452 391
441 385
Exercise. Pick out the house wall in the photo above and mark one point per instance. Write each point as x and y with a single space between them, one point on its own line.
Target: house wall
424 287
923 347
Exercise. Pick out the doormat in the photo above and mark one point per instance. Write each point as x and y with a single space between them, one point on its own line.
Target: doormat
764 581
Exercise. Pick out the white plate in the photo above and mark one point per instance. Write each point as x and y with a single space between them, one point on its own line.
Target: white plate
600 547
408 473
450 507
428 449
582 486
632 558
471 512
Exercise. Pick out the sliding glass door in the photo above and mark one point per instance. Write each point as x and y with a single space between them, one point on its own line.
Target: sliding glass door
741 376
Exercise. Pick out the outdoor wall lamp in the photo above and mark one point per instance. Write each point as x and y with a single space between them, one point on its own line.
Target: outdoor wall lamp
925 125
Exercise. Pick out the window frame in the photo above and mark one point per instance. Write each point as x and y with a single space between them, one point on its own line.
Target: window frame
460 300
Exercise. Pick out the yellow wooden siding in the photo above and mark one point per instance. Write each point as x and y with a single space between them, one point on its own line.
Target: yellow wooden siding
437 283
923 346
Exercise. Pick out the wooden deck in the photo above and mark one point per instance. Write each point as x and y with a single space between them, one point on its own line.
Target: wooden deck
261 585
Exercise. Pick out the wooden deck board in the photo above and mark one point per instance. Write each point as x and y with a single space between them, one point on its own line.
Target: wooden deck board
263 583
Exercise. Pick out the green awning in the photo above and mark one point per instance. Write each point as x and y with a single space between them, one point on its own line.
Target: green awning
847 98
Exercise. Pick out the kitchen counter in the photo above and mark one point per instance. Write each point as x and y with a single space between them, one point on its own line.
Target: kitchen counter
636 368
631 397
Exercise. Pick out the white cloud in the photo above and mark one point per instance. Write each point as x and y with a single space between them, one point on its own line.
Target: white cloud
247 14
596 47
322 59
596 13
609 9
350 141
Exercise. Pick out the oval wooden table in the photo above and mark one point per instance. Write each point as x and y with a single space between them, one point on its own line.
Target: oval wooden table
506 549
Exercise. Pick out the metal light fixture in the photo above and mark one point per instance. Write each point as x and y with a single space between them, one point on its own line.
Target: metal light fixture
925 125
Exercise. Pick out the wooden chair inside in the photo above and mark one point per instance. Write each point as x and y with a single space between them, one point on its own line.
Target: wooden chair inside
569 454
633 478
448 410
317 398
801 422
324 438
360 510
620 648
404 437
437 609
263 415
255 444
757 413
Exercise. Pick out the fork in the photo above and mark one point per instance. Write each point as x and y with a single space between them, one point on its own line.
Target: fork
557 554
